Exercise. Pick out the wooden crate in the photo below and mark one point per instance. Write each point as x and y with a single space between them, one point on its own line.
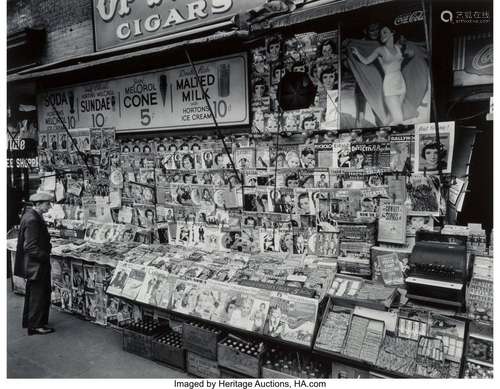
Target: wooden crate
201 339
226 373
136 343
240 361
270 373
171 355
201 367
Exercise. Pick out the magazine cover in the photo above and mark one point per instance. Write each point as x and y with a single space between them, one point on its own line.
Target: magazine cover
372 96
286 202
112 306
82 139
392 223
134 281
291 318
306 178
345 203
424 194
370 155
78 302
90 306
66 299
183 232
212 238
101 303
307 156
89 278
199 236
244 157
245 308
155 289
301 238
324 156
327 244
63 141
260 93
341 154
60 272
390 269
371 200
262 157
310 121
419 222
284 239
55 294
120 276
304 204
321 178
402 152
77 280
430 155
321 201
374 178
196 299
107 233
250 177
290 122
267 240
287 177
263 201
249 240
396 188
126 233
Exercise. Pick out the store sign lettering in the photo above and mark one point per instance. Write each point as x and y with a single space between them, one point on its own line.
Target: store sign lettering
171 98
119 22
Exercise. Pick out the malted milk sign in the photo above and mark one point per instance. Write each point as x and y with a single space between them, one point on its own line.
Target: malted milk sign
166 99
120 22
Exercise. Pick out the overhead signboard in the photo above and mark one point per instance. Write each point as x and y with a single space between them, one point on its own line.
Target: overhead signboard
167 99
121 22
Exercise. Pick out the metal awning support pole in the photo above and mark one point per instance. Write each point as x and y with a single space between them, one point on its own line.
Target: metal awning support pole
217 129
428 41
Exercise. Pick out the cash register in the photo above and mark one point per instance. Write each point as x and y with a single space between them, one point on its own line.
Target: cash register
438 269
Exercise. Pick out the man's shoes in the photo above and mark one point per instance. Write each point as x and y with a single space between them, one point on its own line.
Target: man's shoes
40 331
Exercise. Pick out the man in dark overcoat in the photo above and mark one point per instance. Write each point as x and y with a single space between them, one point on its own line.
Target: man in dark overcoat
33 264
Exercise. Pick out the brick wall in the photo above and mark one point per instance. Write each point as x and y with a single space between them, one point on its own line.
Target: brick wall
68 25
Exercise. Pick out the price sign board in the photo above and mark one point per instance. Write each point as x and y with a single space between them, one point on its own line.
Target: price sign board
167 99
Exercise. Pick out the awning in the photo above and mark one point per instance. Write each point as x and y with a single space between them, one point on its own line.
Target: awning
314 11
97 59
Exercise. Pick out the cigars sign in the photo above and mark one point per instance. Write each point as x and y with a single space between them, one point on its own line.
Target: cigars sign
167 99
120 22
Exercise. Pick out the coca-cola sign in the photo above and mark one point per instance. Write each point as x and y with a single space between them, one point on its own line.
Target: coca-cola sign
409 17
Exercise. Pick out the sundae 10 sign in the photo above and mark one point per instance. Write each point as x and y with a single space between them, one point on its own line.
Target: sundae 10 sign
121 22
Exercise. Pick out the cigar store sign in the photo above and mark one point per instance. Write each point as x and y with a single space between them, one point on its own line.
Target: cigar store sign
120 22
167 99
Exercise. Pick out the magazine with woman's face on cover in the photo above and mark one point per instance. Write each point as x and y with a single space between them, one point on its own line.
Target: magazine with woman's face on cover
432 155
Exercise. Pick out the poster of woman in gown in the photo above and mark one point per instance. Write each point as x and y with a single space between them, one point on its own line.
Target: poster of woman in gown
385 79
